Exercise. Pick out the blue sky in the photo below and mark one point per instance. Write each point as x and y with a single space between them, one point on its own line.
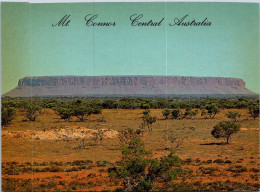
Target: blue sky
228 48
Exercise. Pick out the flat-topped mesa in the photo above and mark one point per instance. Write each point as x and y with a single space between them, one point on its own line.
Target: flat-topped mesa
127 86
129 81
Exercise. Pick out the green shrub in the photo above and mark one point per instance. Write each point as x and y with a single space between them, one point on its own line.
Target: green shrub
166 112
12 170
254 110
176 113
233 115
208 170
9 184
32 110
7 115
80 111
255 170
203 112
184 186
147 122
225 129
102 163
237 169
145 106
218 161
51 184
228 162
72 169
64 112
55 168
96 110
137 170
146 112
81 162
75 185
212 110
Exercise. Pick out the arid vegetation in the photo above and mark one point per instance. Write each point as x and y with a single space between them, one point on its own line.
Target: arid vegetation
130 144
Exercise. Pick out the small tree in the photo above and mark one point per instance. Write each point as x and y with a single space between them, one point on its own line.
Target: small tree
233 115
203 112
166 112
147 122
146 112
32 110
254 110
98 137
145 106
225 129
176 113
212 110
96 110
138 170
193 114
7 115
80 111
175 142
64 112
127 135
187 111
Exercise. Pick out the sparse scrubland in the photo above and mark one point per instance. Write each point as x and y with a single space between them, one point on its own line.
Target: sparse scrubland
130 144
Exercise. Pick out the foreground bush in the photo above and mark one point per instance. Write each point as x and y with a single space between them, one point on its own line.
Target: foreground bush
7 115
138 170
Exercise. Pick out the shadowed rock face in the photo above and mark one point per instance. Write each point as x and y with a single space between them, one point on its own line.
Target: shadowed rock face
127 86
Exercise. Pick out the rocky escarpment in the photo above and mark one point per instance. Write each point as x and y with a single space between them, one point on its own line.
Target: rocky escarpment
127 85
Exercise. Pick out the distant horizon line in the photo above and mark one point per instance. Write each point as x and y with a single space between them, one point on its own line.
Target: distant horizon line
130 76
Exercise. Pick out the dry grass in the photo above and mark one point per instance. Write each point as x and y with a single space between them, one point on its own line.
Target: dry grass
198 144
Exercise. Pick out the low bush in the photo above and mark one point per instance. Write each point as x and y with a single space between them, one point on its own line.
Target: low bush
255 170
237 169
51 184
76 185
9 184
72 169
166 112
220 161
228 162
102 163
208 170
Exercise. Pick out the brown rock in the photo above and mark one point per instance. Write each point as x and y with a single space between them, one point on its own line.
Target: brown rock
127 85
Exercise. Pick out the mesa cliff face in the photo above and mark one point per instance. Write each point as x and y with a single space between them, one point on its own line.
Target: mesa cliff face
129 81
127 85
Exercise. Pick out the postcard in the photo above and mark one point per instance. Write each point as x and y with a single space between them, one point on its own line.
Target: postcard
130 96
